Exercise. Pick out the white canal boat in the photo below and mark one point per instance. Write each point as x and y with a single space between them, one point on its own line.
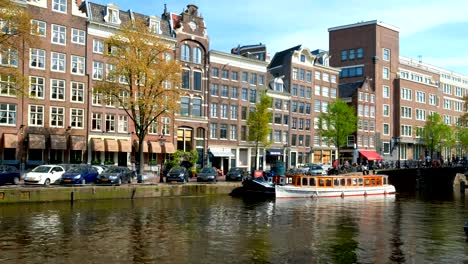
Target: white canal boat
307 186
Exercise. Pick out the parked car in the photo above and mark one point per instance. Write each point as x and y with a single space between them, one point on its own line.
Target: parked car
116 175
177 174
315 170
44 174
326 167
9 174
81 174
236 174
100 168
207 174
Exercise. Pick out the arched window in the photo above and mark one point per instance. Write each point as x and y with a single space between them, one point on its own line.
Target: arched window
197 55
184 106
185 53
196 107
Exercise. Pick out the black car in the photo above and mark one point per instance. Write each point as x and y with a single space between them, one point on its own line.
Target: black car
207 174
236 174
177 174
9 174
116 175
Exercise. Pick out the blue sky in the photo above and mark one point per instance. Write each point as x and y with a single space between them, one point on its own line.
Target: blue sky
436 30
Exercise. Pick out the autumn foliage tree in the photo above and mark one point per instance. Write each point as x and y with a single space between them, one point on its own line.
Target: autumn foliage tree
258 123
144 78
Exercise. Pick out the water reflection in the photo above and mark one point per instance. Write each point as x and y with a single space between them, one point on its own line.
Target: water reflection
401 229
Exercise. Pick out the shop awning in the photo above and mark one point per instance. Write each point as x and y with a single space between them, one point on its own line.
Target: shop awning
111 145
98 144
125 145
275 152
10 141
77 143
155 147
169 148
58 142
36 141
221 152
370 155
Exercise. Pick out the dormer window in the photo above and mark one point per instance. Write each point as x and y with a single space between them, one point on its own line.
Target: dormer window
303 58
278 85
154 26
112 14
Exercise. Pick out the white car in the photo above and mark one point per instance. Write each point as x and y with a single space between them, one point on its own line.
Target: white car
44 174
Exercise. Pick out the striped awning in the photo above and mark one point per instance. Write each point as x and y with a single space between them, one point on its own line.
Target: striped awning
36 141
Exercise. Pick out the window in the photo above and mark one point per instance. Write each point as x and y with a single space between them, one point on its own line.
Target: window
244 94
214 89
36 87
360 110
57 89
386 54
325 107
59 5
386 110
38 28
406 131
78 36
421 114
234 93
295 73
326 77
317 90
98 70
36 115
7 85
352 72
294 90
333 92
110 74
77 65
344 55
214 110
360 53
352 54
372 111
37 58
447 120
406 112
59 34
386 91
244 113
386 73
57 62
317 75
447 104
406 94
97 98
303 58
110 123
57 116
96 122
325 91
234 76
197 81
184 106
253 96
166 122
196 107
432 99
245 76
302 74
77 92
9 57
185 53
7 114
112 16
185 79
213 130
223 111
224 91
123 124
386 129
197 55
154 26
223 131
233 132
261 80
214 72
225 74
98 46
253 78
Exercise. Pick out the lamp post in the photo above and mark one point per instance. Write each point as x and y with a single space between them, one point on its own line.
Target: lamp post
162 140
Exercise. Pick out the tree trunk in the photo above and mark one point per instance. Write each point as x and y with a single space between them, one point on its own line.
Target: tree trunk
141 155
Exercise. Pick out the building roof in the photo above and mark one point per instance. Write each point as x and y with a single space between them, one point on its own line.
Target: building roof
97 13
347 90
280 56
365 23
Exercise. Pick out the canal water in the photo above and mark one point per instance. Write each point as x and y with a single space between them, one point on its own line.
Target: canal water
406 228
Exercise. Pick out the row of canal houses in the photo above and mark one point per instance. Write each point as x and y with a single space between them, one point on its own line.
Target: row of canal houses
64 120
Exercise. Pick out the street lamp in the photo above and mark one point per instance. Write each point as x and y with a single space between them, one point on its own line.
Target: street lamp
162 140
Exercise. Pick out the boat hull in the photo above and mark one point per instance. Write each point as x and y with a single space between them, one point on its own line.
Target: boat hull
288 191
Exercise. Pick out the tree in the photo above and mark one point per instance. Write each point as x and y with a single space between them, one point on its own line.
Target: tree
144 78
337 124
258 123
15 37
435 131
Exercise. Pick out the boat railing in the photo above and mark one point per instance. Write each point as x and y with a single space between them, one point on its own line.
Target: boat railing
336 181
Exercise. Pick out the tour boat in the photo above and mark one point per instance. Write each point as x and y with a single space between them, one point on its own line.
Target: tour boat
307 186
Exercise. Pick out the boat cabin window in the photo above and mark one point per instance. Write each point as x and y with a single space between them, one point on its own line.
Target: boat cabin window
336 182
321 182
385 180
379 181
349 182
354 181
305 182
329 182
367 182
361 181
312 182
342 182
373 181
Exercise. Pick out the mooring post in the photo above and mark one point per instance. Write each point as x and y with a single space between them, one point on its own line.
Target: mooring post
462 186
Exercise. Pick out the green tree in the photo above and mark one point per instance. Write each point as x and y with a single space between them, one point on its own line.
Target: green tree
144 78
335 125
462 137
258 123
436 132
